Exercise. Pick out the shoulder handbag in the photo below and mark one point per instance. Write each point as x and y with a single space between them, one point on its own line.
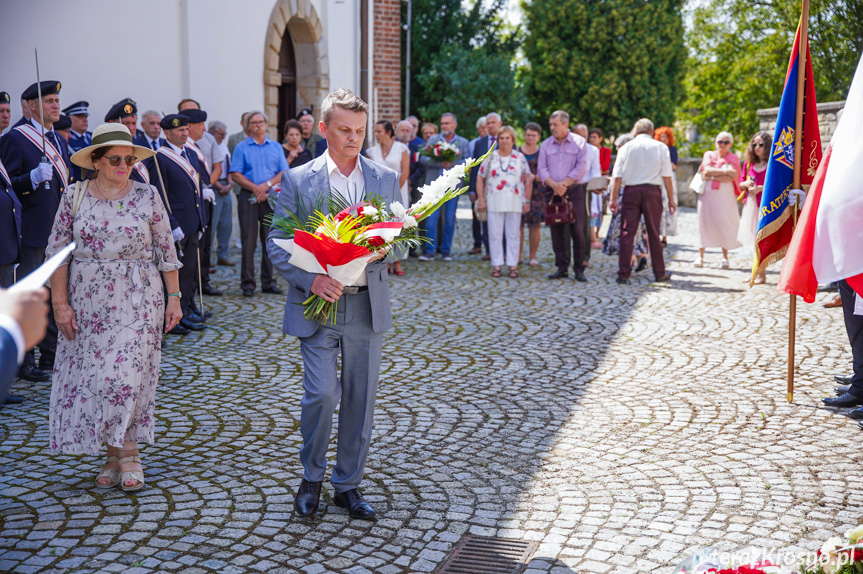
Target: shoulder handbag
696 185
559 211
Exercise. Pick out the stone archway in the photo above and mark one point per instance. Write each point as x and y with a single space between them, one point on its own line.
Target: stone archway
300 20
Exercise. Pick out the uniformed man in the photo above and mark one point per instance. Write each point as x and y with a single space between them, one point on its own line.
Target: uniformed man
180 187
63 127
10 239
38 185
5 111
79 137
126 112
25 114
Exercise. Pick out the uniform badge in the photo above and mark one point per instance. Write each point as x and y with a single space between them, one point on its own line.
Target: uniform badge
175 122
58 86
783 150
127 108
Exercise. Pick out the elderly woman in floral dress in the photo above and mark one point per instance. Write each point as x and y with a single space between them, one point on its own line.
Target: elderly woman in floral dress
718 218
110 309
504 187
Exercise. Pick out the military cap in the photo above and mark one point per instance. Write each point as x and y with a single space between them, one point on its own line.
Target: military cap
305 112
195 116
122 109
64 123
4 98
172 121
77 109
49 87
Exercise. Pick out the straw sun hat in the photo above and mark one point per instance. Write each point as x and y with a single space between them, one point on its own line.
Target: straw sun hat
109 135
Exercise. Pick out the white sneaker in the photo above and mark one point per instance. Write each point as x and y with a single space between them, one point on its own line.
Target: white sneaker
725 264
425 257
447 257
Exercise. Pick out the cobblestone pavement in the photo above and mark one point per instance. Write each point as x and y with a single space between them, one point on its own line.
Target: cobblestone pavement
620 427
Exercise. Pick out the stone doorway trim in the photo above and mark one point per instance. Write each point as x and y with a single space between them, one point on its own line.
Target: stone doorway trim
300 19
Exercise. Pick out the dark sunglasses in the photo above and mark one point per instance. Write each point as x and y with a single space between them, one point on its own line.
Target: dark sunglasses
758 145
115 160
724 142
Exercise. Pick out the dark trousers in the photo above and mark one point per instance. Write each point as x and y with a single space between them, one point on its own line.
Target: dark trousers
205 246
480 231
585 205
570 234
7 275
188 274
640 200
252 229
32 258
854 327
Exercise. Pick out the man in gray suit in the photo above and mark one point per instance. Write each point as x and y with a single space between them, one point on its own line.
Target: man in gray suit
448 125
363 312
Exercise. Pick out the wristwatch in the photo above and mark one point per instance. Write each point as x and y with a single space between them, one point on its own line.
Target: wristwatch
178 294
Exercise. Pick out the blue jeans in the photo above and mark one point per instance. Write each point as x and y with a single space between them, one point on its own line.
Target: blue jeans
223 224
448 210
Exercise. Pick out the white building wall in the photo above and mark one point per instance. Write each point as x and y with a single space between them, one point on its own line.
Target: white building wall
159 51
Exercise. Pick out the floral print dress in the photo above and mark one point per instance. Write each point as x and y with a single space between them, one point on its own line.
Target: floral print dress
104 384
504 186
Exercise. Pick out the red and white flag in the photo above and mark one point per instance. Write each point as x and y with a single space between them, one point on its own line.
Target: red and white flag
828 241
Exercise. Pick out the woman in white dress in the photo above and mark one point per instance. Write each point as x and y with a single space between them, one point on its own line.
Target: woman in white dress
393 154
718 218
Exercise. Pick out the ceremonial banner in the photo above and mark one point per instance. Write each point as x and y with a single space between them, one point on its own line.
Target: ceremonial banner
775 220
828 242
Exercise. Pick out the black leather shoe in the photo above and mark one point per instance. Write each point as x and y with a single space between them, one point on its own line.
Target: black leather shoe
356 505
664 279
185 322
194 318
579 276
248 292
207 290
308 497
32 373
846 380
642 265
274 290
856 414
842 390
622 281
846 400
15 400
179 330
559 274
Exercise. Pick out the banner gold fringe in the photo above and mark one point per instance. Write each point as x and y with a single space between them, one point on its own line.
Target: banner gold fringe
759 266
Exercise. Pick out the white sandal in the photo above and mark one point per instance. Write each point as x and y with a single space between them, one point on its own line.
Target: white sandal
113 475
725 264
137 475
698 262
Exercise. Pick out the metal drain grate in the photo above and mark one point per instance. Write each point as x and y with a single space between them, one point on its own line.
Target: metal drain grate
483 555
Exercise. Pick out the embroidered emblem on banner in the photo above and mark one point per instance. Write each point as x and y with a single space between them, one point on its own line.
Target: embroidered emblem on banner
783 150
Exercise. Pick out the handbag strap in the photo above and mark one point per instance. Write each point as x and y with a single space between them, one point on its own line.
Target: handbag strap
78 197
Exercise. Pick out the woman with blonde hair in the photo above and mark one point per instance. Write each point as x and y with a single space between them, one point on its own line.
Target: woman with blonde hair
504 187
718 219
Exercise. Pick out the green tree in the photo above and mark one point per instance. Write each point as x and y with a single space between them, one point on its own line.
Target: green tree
447 37
739 51
606 62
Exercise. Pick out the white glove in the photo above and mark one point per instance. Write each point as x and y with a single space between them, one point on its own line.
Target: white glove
40 173
178 235
209 194
797 195
200 235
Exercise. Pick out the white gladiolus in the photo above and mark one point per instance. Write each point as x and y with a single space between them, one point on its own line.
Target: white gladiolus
398 210
410 222
369 211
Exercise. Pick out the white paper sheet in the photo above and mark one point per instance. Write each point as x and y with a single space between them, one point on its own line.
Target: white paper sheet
40 276
858 305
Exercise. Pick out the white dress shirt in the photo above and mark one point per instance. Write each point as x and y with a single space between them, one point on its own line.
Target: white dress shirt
352 187
593 168
643 161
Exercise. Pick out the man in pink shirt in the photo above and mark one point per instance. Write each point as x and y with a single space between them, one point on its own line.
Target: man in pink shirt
562 165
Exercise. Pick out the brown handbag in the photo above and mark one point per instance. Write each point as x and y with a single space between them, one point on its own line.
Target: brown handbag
559 211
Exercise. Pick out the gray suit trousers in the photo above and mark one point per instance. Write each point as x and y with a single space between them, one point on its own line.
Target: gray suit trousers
360 349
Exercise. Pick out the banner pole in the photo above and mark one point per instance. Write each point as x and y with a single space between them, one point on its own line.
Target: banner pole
802 57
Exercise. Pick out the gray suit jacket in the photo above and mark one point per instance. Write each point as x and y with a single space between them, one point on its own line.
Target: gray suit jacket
433 169
310 182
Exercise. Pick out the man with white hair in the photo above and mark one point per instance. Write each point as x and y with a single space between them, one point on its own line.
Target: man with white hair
404 133
150 134
642 167
481 131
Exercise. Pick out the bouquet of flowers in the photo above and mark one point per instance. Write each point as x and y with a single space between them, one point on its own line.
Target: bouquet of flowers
838 555
441 151
341 245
